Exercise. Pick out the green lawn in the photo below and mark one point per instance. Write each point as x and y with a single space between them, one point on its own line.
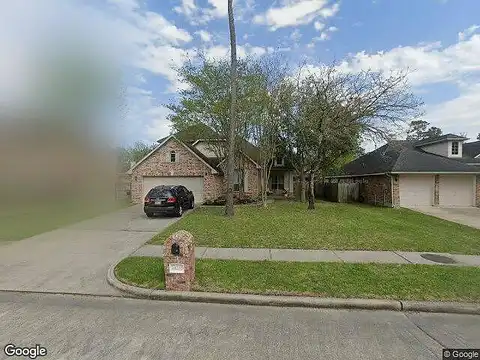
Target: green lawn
330 226
386 281
22 222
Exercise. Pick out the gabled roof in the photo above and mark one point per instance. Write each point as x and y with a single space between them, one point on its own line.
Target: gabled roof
404 157
441 138
471 149
193 151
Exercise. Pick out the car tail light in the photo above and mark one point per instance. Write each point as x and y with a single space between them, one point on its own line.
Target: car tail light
171 200
147 199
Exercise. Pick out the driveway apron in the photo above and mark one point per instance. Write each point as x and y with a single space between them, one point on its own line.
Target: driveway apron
75 259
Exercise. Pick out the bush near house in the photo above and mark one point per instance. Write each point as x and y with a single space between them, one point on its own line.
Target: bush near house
237 200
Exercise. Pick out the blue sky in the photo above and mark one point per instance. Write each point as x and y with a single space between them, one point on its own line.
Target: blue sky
438 39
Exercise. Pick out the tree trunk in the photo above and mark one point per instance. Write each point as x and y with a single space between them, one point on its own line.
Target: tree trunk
302 185
311 192
264 188
229 210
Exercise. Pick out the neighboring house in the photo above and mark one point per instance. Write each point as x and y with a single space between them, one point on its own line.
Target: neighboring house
440 171
189 160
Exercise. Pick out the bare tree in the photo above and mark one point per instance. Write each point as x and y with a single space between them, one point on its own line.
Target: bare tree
337 109
229 210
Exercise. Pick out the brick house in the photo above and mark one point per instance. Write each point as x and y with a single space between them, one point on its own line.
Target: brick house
440 171
191 162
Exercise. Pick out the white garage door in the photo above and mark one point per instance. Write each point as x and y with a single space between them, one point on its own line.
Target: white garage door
194 184
456 190
416 190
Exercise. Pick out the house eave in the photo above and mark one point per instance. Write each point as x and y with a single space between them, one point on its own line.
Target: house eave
355 175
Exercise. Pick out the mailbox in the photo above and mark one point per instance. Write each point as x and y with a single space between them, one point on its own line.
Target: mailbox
175 249
179 261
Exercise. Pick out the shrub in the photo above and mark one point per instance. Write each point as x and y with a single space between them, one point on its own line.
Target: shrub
237 200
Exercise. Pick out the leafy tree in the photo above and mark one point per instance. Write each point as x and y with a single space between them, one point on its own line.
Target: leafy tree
478 136
133 154
420 130
267 109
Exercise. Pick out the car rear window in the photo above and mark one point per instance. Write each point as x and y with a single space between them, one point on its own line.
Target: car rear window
156 193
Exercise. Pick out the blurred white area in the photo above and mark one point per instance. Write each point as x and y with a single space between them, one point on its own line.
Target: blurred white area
60 103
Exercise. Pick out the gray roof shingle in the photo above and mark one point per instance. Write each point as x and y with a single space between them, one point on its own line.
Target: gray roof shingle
471 149
403 156
440 138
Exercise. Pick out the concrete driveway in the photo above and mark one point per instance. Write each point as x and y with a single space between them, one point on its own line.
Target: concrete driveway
75 259
469 216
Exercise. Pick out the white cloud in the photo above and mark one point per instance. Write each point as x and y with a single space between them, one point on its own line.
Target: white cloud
296 12
157 24
187 8
324 36
434 63
318 25
221 51
463 35
219 8
204 35
460 114
159 127
332 29
430 63
295 35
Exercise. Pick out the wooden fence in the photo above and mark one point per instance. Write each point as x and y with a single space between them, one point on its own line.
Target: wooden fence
338 192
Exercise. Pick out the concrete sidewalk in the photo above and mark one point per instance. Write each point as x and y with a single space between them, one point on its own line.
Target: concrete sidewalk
387 257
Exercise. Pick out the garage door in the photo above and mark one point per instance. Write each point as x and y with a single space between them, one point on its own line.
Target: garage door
416 190
456 190
194 184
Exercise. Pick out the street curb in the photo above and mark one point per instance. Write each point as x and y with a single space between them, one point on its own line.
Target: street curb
293 301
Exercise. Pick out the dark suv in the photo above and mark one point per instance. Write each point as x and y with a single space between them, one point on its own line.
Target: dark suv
168 200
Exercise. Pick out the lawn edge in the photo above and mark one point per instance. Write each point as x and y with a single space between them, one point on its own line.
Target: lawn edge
293 301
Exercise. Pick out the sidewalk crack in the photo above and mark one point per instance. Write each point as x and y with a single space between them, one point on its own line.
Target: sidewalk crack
403 257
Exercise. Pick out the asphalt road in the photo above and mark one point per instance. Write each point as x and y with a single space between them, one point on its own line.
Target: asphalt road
79 327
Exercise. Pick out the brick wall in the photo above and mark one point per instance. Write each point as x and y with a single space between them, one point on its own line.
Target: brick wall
395 191
376 190
477 201
252 176
188 164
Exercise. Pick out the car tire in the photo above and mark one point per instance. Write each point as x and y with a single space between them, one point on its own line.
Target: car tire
150 215
192 204
179 212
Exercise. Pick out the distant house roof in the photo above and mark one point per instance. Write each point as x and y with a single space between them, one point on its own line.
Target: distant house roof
471 149
441 138
403 156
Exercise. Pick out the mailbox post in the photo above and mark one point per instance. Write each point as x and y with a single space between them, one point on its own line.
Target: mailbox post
179 261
